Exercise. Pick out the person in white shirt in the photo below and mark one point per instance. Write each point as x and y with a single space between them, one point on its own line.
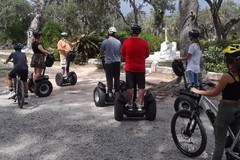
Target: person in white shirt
193 58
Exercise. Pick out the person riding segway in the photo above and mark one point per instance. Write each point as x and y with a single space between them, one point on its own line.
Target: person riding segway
38 82
67 55
111 60
138 102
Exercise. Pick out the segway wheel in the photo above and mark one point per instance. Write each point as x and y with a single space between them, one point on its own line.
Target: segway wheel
118 110
99 97
72 78
43 88
151 107
59 79
31 85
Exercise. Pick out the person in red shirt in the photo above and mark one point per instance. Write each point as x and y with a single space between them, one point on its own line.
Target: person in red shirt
135 50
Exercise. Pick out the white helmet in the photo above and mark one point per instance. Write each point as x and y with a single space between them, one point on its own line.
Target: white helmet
112 30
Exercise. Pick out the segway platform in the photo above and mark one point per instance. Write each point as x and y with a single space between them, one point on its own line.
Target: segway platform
149 109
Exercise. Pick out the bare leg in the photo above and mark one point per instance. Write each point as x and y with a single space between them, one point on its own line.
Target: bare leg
141 96
63 70
130 96
37 73
9 82
25 87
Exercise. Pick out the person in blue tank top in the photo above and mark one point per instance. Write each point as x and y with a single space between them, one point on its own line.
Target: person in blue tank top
19 60
229 86
110 49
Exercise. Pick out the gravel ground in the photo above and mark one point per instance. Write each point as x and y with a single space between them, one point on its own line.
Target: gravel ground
68 126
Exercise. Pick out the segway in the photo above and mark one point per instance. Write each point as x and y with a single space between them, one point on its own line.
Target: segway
42 86
149 109
101 97
71 78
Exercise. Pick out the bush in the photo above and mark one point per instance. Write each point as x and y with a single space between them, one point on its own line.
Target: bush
214 59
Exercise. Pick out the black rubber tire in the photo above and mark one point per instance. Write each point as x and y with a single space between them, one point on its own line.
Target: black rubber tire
185 116
20 94
43 88
72 76
118 110
99 97
151 110
59 79
184 102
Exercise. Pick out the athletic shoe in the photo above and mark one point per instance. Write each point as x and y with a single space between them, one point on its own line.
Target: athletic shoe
129 107
11 95
140 107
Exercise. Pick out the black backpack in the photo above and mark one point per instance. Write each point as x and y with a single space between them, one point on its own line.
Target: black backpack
49 61
178 68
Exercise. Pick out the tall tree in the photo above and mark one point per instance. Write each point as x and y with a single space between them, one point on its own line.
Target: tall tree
160 7
222 30
188 21
137 8
15 19
35 24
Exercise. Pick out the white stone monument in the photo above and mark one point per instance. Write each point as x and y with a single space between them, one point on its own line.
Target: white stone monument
168 51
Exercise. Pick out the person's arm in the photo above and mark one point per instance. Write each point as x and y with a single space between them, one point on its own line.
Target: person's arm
184 58
40 47
215 91
8 59
102 50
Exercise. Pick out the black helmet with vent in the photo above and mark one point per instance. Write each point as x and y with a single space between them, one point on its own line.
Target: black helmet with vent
194 33
136 29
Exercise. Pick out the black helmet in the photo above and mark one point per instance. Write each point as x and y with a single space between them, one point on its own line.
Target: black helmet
37 34
178 68
194 33
136 29
18 46
49 61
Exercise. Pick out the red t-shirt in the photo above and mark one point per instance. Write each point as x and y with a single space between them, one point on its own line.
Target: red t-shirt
135 50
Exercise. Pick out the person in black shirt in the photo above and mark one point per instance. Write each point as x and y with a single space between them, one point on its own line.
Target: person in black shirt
229 85
38 56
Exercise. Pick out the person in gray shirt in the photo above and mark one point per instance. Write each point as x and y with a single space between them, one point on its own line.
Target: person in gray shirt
110 49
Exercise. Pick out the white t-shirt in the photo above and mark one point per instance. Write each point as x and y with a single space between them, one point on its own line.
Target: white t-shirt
194 61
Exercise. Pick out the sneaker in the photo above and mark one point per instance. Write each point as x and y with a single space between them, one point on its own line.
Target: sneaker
129 107
110 94
11 95
140 107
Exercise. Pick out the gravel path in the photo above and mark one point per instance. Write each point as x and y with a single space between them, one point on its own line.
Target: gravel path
68 126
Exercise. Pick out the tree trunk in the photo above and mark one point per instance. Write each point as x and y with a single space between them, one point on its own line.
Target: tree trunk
188 21
35 22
